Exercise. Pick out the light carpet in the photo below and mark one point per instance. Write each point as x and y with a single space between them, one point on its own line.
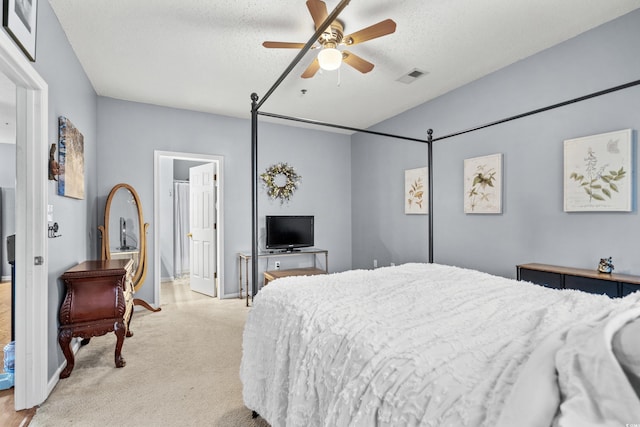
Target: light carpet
182 370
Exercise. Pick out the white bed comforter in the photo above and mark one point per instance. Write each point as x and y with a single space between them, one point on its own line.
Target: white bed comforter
413 345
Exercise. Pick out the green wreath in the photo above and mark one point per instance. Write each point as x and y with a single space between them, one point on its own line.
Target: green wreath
282 192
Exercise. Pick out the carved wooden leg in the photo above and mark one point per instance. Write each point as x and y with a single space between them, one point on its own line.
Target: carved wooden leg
64 339
129 333
138 301
120 332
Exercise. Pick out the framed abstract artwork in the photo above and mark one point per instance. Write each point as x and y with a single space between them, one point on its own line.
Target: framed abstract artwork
70 160
20 21
598 172
483 184
416 194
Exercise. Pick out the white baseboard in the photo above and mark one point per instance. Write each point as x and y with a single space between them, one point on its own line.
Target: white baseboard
234 295
75 346
5 278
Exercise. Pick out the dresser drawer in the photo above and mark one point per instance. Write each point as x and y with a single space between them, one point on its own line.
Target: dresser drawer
593 286
628 288
545 278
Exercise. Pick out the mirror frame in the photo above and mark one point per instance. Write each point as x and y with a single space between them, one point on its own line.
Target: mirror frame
141 271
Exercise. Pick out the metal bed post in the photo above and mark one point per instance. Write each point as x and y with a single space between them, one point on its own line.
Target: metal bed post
430 198
254 196
255 106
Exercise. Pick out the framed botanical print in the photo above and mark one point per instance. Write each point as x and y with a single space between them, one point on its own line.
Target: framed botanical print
597 172
416 191
483 184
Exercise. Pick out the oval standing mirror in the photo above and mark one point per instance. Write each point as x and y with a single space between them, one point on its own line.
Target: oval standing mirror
124 234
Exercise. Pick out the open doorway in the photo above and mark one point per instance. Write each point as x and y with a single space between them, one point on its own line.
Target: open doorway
7 228
176 231
30 263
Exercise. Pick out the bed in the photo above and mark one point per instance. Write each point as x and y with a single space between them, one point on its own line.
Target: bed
435 345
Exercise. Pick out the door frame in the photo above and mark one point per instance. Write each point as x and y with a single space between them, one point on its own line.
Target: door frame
31 255
219 160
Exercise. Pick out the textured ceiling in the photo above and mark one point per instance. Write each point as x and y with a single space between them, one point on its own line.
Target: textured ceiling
207 55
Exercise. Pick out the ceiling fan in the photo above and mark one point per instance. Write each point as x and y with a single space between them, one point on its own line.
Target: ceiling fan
329 58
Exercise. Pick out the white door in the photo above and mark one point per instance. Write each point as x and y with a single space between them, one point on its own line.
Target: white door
202 221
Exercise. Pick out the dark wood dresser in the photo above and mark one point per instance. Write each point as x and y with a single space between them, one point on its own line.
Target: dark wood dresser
592 281
99 299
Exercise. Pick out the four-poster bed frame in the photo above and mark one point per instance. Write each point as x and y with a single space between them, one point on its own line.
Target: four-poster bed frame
297 374
256 104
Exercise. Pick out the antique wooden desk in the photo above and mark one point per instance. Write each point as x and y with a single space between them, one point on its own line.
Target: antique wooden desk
99 299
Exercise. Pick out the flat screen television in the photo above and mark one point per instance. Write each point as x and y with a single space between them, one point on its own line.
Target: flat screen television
289 232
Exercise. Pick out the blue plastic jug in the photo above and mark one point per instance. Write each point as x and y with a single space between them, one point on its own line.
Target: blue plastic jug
10 357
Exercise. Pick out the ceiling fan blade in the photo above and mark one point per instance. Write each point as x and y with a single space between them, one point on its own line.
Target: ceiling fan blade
356 62
284 45
318 11
380 29
311 70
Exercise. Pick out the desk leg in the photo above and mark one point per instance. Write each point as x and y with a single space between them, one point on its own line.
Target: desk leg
64 339
129 333
246 278
240 274
120 333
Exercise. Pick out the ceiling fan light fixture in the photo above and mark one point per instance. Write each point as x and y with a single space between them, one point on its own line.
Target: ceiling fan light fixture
330 58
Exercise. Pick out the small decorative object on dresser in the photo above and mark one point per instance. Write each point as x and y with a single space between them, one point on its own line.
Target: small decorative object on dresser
605 265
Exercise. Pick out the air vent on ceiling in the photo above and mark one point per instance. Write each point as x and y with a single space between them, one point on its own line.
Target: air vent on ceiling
411 76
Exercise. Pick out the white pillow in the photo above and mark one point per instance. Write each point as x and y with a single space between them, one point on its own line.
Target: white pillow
535 396
626 347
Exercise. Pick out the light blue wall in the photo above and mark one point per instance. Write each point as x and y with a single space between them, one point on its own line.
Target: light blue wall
7 227
166 208
129 133
7 202
8 165
70 95
533 226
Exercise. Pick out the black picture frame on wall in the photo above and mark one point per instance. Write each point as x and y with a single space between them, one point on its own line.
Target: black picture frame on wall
20 21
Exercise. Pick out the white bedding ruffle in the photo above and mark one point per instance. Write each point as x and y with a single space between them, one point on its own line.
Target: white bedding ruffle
413 345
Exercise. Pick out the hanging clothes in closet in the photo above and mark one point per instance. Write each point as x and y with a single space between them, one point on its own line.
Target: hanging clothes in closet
180 229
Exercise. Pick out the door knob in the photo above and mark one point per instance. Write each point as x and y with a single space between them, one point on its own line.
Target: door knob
189 235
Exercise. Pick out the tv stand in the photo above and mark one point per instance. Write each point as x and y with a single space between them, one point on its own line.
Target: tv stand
276 274
245 258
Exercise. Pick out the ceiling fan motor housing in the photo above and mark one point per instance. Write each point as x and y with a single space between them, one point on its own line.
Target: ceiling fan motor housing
332 35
